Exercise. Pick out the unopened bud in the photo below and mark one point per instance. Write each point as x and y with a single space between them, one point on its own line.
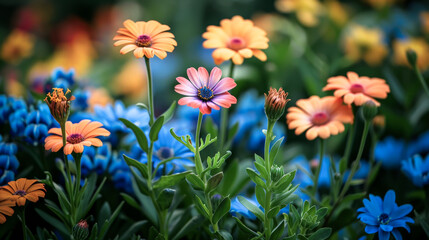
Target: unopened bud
379 123
59 104
80 230
277 173
369 110
275 103
412 57
165 198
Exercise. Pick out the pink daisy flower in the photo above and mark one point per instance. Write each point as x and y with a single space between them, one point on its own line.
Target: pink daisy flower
206 92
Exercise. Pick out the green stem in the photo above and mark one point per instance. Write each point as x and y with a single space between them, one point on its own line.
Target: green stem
150 91
78 175
268 164
349 144
210 207
24 228
66 162
198 163
224 118
319 167
374 140
421 79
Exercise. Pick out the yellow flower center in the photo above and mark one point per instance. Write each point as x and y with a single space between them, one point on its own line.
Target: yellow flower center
237 43
356 88
320 118
144 41
75 138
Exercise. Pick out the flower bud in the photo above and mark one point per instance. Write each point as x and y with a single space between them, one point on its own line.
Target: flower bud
379 122
59 104
369 111
165 198
80 230
277 172
412 57
275 103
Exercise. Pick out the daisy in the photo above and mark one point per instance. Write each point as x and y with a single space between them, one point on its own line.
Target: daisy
236 39
358 90
23 189
206 92
145 39
5 208
80 134
321 117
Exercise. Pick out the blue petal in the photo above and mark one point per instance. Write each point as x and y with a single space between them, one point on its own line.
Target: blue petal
397 234
389 202
371 229
372 208
368 219
382 235
401 211
387 228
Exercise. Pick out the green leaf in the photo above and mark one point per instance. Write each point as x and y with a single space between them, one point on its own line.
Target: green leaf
252 208
210 127
134 163
195 181
321 234
165 198
233 130
255 177
109 222
354 196
262 170
343 165
259 159
278 231
140 136
170 180
374 173
283 183
142 105
130 200
132 230
275 150
214 181
223 209
285 198
321 213
260 195
191 225
244 228
53 221
273 212
168 114
155 128
201 207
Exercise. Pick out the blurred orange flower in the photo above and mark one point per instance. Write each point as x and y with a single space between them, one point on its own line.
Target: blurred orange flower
419 45
80 134
321 117
145 39
307 11
358 90
17 46
424 17
131 81
5 208
23 189
98 96
236 39
366 44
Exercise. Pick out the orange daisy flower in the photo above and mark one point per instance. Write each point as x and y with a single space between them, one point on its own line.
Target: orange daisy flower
23 189
358 90
145 39
236 39
321 117
5 208
80 134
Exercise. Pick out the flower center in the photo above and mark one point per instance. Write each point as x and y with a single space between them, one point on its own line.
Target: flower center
320 118
144 41
205 93
236 43
165 153
356 88
75 138
21 193
383 218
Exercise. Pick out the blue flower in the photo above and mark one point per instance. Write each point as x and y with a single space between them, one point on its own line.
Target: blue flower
121 174
17 121
81 100
9 105
390 152
190 115
237 207
385 216
38 122
8 162
62 79
95 159
417 170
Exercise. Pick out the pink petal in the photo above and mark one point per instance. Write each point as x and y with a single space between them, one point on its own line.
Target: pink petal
215 76
186 82
224 100
213 105
185 90
193 77
224 85
205 109
190 101
204 76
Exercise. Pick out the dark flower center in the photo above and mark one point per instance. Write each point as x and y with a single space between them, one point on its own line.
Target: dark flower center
165 153
236 43
383 218
144 41
320 118
356 88
75 138
205 93
21 193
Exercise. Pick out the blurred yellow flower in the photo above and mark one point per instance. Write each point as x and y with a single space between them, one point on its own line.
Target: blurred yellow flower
269 22
424 18
17 46
336 12
419 45
131 81
366 44
98 96
380 3
307 11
